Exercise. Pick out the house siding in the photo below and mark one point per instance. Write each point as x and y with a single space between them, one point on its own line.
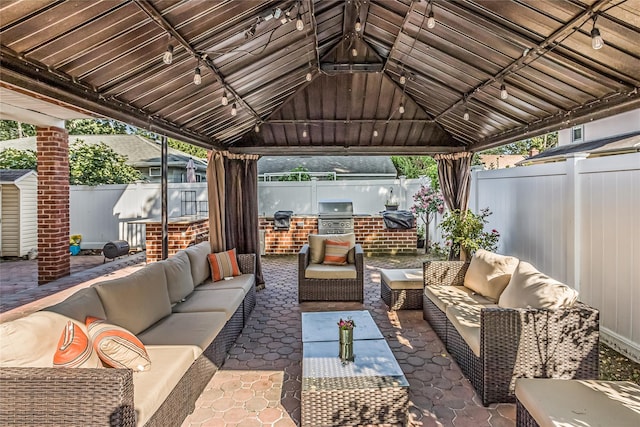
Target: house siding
10 220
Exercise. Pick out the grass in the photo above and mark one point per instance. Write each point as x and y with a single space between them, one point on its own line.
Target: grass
616 367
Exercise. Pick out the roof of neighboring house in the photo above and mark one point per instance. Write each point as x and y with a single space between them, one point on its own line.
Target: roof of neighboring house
618 144
8 176
342 165
140 151
500 161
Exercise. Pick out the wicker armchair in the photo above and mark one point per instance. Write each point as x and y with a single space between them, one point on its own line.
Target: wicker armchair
516 343
330 289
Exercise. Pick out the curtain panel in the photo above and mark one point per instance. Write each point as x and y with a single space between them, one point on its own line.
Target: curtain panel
454 174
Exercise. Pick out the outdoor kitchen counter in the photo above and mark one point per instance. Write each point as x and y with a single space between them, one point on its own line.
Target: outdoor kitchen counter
183 231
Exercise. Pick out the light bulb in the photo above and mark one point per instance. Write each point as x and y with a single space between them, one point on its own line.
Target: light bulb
304 133
309 76
401 109
167 58
256 128
596 39
375 133
503 92
358 26
234 110
299 23
197 77
354 52
431 21
284 20
403 79
465 116
224 100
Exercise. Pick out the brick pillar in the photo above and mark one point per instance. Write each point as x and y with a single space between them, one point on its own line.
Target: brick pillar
53 204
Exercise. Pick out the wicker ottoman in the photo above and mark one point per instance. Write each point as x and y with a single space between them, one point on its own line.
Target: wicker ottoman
401 289
555 402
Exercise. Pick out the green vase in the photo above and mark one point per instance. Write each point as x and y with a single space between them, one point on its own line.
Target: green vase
346 336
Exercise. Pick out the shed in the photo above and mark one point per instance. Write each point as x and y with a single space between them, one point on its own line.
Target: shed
18 212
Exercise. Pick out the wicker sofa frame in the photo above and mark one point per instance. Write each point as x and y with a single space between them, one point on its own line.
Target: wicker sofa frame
105 397
516 343
330 289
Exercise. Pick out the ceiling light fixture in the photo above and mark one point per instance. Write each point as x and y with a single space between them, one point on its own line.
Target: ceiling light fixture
299 22
234 110
167 57
358 26
197 76
431 20
596 39
503 92
225 99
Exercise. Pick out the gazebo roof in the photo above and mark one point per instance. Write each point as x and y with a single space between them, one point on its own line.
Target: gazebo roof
105 59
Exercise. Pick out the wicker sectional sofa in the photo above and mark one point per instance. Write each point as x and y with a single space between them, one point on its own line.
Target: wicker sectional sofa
186 322
494 344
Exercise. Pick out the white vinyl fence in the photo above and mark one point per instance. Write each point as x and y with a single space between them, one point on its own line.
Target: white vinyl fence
577 221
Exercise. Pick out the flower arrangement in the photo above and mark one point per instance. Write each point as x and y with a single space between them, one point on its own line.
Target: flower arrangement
426 202
464 232
346 325
75 239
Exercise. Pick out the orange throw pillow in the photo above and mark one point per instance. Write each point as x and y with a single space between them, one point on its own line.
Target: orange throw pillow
335 253
74 349
117 347
224 264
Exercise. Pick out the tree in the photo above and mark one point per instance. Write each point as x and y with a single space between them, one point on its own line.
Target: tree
524 147
98 164
11 158
10 129
97 127
297 174
417 166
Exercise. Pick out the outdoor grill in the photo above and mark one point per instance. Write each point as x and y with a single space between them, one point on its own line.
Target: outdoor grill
335 216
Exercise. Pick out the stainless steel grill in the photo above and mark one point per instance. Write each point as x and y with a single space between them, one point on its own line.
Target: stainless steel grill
335 216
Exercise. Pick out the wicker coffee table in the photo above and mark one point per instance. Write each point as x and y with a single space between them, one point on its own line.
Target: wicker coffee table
370 390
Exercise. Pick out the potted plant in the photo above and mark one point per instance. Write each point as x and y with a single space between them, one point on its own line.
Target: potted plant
464 233
426 202
74 243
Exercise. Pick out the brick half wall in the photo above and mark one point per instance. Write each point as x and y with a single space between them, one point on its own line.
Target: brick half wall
181 236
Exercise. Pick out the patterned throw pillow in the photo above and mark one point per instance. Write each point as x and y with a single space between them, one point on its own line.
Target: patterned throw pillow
117 347
74 349
224 264
335 253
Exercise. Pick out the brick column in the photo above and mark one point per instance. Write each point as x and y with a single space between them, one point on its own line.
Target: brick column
53 204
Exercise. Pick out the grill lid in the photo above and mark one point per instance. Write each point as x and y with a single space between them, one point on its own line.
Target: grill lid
335 208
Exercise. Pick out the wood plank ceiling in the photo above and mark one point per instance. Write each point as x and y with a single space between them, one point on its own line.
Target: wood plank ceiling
395 85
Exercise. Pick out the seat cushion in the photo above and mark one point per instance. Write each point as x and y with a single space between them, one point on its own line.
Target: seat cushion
489 273
223 300
138 300
244 282
316 246
444 296
168 366
200 270
530 288
403 278
559 402
321 271
466 319
193 329
85 302
179 279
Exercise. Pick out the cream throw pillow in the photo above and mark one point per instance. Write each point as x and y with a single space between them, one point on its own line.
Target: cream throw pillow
316 246
489 273
530 288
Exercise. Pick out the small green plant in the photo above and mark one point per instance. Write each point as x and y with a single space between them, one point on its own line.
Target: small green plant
420 232
75 239
464 232
438 251
299 173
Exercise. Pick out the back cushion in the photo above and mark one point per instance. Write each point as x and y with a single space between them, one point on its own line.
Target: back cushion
530 288
316 246
81 304
200 270
138 300
489 273
179 279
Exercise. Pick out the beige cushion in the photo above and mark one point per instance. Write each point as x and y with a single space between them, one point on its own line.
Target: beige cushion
138 300
530 288
489 273
403 278
321 271
244 282
223 300
193 329
179 279
168 366
79 305
316 246
444 296
466 319
31 341
560 403
200 270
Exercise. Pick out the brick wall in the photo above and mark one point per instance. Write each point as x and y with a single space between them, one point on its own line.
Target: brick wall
181 235
370 231
53 204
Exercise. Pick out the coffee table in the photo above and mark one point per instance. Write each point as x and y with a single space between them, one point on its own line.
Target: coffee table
370 390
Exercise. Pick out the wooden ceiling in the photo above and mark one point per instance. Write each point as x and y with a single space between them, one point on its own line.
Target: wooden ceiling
105 57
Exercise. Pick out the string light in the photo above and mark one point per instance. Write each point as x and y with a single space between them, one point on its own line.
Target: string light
401 109
299 22
304 133
225 99
503 92
354 52
465 116
256 128
358 26
431 20
234 110
403 79
309 76
596 39
167 57
375 133
197 76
